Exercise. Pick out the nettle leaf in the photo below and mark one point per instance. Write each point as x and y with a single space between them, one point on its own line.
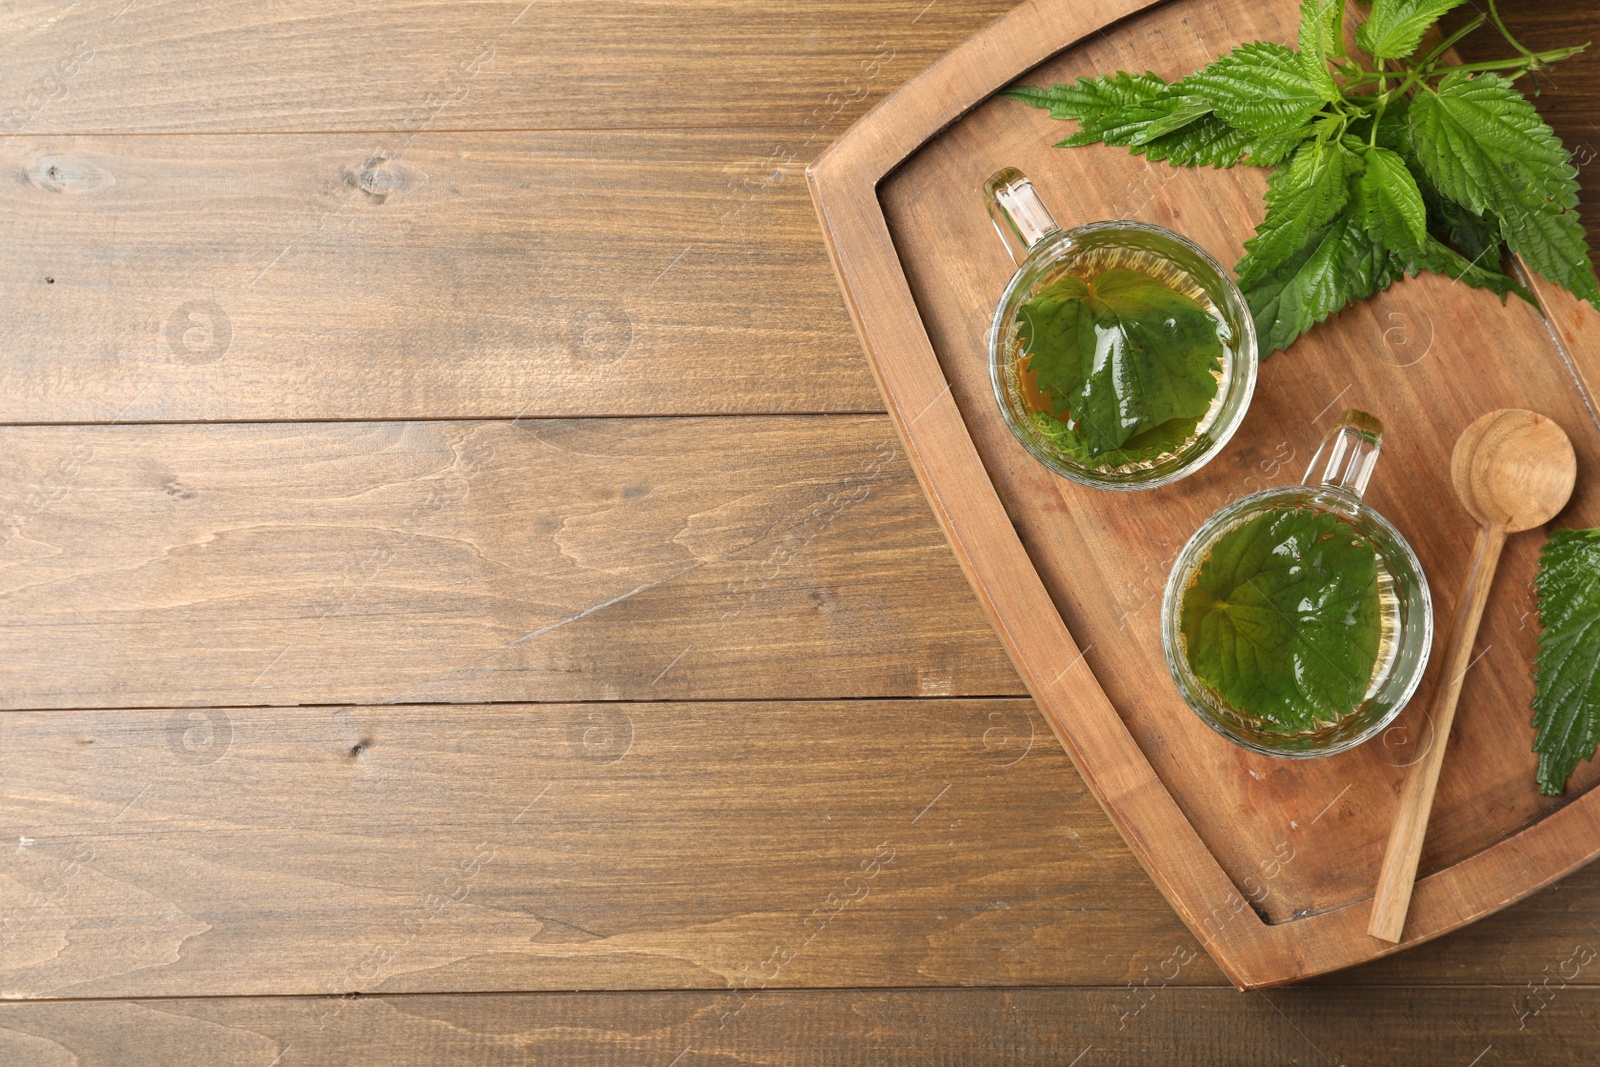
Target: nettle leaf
1207 142
1271 151
1282 622
1134 111
1555 245
1166 439
1302 198
1118 106
1336 265
1184 110
1120 355
1485 147
1477 237
1439 258
1259 88
1566 700
1036 97
1389 204
1321 39
1394 29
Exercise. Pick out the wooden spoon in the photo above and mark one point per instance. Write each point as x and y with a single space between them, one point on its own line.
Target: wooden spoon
1513 470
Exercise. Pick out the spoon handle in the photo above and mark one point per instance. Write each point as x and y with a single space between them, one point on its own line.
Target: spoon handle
1399 873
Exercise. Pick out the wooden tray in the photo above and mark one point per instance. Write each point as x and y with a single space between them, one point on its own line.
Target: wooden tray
1271 863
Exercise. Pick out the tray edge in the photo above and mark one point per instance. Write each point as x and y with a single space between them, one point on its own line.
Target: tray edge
843 183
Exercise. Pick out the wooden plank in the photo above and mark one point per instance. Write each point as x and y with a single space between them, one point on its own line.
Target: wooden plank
1381 1027
473 561
504 64
177 852
473 275
711 845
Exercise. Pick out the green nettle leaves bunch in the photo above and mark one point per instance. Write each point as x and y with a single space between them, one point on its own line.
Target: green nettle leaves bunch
1405 167
1566 672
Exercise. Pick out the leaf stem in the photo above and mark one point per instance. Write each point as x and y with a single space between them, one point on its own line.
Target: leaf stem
1382 102
1414 76
1499 24
1536 61
1533 62
1450 41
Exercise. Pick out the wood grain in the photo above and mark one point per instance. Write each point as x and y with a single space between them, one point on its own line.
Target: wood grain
1102 559
1397 1028
300 65
386 562
332 850
428 273
624 846
473 275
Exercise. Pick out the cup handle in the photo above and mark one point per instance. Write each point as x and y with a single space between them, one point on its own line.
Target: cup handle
1020 217
1348 454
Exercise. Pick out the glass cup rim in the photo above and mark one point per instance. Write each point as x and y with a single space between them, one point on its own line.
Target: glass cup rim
1352 508
1221 433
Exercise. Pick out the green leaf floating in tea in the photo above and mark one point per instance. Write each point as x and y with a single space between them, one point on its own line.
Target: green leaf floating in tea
1119 356
1566 702
1164 439
1283 622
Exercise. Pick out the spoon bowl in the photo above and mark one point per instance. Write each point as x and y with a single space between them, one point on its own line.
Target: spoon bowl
1514 469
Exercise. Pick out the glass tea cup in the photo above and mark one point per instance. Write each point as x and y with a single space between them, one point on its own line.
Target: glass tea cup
1334 484
1047 254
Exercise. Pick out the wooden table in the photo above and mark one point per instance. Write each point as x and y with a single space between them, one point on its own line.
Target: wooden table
463 602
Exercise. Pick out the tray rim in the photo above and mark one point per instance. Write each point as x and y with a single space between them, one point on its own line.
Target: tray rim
1253 954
